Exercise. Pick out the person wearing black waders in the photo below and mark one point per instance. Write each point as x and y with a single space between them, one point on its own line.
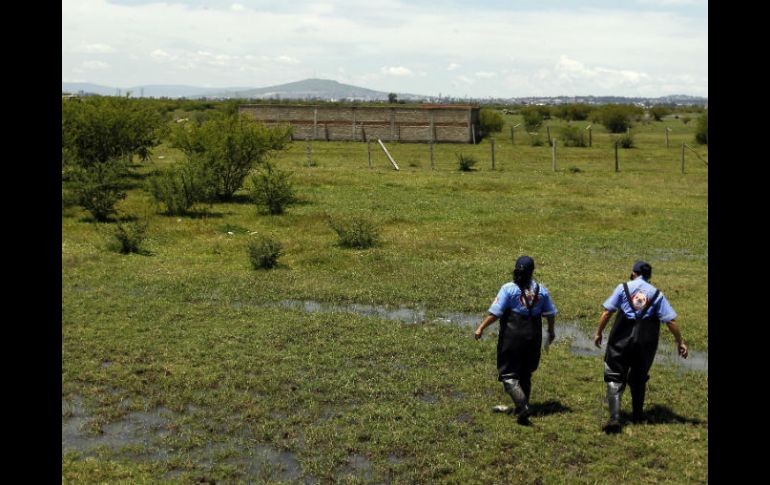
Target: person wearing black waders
633 340
520 306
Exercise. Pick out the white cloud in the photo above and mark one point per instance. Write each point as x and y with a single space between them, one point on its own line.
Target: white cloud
95 65
162 56
286 60
280 42
396 71
97 49
465 79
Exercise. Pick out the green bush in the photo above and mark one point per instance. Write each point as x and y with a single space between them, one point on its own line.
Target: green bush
535 140
572 136
466 162
658 112
355 232
264 253
626 141
231 146
98 187
533 118
272 189
490 121
572 112
702 129
181 187
128 237
617 117
686 119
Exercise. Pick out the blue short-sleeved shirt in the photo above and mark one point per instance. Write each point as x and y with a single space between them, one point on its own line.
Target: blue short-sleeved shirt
641 291
510 297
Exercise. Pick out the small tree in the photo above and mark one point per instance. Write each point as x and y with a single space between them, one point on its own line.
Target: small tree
230 147
392 98
702 129
272 189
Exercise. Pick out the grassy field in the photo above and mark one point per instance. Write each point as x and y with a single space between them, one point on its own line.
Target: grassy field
188 337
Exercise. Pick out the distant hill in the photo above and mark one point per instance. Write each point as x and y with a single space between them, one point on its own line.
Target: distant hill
312 89
308 89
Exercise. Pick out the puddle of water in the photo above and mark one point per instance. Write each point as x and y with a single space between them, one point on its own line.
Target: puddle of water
580 343
137 428
358 466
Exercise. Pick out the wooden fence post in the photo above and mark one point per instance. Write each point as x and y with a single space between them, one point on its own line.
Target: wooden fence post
309 161
431 156
553 153
369 152
617 168
548 130
493 152
667 130
590 141
682 157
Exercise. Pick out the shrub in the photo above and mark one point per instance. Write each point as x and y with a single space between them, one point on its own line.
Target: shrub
230 147
617 117
466 162
356 232
574 169
98 187
272 189
534 140
572 136
626 141
128 237
264 253
686 119
490 121
533 118
702 129
181 187
658 112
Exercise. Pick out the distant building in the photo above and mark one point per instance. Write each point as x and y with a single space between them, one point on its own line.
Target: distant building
457 123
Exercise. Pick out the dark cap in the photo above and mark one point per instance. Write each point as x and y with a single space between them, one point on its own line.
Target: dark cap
525 263
642 268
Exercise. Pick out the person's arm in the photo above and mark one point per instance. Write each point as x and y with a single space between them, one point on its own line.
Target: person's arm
603 319
488 320
551 331
681 346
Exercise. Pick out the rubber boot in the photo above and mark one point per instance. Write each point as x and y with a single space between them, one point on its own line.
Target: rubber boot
514 389
614 393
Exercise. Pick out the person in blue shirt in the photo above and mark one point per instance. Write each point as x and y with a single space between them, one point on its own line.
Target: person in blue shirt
520 306
633 339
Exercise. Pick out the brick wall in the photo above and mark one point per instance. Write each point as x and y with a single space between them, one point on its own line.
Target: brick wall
360 123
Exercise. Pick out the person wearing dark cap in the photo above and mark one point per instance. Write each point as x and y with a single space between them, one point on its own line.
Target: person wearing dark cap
633 339
520 306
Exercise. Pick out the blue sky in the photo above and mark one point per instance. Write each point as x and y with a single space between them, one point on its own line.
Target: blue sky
461 48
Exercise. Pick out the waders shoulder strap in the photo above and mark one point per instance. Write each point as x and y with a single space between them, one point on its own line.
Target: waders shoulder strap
646 306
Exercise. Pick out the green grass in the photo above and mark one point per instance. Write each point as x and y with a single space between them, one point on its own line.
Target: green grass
181 325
